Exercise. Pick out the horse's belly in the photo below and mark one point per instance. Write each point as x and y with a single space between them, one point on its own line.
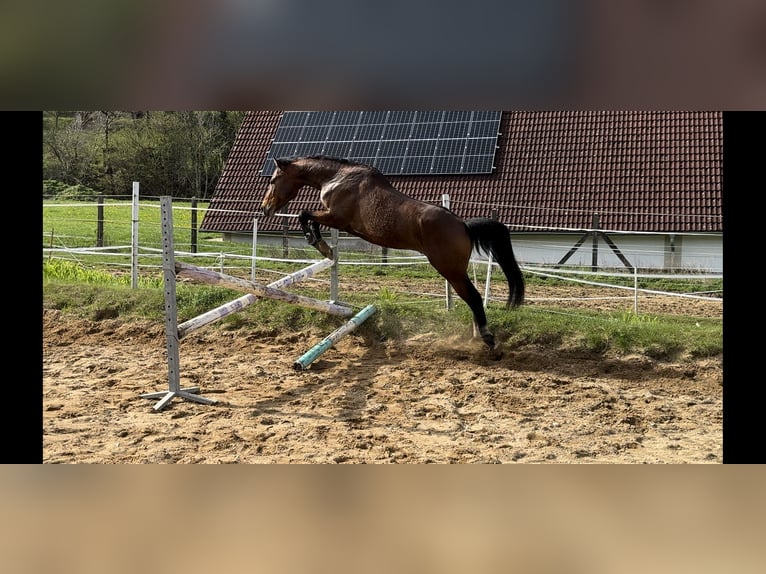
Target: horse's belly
384 225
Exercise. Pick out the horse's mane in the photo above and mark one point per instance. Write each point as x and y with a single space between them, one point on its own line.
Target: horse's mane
342 162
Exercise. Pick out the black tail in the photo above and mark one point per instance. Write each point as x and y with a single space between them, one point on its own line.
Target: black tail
491 236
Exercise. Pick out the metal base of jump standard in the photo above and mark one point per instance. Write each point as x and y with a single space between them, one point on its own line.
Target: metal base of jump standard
312 354
175 332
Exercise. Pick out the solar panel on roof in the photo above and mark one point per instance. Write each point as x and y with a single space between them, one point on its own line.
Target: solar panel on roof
395 142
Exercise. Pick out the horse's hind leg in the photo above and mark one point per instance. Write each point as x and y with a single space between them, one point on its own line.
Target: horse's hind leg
468 293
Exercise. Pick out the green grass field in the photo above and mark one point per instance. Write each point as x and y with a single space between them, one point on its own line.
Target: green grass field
74 224
96 294
93 286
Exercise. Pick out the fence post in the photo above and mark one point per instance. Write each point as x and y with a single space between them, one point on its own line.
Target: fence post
134 239
594 254
285 239
100 221
488 281
194 225
255 248
447 287
334 268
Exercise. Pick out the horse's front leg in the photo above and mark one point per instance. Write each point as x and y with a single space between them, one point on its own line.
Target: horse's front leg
310 228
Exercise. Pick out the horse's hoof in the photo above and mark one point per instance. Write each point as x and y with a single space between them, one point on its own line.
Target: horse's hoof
493 346
495 352
324 249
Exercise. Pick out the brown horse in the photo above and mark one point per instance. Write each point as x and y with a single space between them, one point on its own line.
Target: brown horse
359 200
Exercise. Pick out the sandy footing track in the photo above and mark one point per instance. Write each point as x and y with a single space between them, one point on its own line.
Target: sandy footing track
432 398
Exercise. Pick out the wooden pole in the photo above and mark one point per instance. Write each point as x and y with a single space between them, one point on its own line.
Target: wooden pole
100 221
594 254
194 225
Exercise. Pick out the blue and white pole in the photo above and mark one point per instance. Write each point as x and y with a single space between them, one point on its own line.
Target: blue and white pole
312 354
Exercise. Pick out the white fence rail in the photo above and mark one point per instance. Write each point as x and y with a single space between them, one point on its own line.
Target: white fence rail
148 258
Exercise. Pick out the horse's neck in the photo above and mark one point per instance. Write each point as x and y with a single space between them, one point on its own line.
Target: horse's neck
318 176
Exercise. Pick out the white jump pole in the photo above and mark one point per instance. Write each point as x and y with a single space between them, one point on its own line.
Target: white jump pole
248 299
312 354
223 280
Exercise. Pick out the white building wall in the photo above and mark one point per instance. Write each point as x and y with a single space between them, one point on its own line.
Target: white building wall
703 252
661 252
694 252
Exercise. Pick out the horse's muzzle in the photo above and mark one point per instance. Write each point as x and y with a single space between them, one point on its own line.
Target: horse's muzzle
268 209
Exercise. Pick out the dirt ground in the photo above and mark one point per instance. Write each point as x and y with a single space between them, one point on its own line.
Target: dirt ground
434 398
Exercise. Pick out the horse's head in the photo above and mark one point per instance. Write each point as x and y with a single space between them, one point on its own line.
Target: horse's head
283 187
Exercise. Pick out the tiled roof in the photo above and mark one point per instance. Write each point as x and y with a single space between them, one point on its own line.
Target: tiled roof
655 171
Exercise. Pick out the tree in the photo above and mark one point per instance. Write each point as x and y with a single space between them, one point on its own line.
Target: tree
210 136
170 153
67 150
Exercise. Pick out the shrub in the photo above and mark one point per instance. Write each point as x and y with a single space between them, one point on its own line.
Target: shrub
60 190
53 187
79 192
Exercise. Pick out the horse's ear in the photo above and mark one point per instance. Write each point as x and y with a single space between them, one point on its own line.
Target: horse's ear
282 163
